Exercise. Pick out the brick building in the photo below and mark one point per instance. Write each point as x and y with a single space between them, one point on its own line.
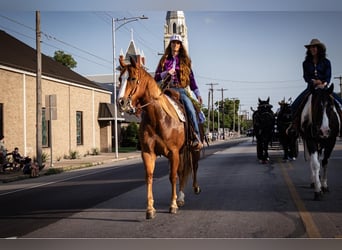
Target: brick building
78 126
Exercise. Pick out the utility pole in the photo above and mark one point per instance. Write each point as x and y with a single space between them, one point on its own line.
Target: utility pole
208 130
234 99
340 78
222 89
38 93
212 100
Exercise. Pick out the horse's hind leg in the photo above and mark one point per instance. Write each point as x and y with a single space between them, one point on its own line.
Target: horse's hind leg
195 159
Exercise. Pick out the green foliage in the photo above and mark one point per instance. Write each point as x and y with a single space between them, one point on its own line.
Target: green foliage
229 111
51 171
95 151
130 135
73 154
65 59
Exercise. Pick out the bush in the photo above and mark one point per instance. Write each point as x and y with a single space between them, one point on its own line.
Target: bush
130 135
73 154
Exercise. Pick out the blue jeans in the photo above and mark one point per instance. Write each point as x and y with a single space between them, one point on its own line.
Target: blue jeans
189 108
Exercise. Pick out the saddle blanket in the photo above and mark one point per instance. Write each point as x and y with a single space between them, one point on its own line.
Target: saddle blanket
176 107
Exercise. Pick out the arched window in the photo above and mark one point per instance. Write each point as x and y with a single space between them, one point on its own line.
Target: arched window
174 28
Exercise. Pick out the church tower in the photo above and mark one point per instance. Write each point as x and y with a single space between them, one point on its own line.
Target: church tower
175 24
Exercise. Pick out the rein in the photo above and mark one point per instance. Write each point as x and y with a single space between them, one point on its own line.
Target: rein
135 109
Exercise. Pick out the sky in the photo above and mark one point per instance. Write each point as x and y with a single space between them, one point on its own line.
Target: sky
249 52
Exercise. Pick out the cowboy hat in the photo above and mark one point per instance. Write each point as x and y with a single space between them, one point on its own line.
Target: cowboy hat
315 42
176 37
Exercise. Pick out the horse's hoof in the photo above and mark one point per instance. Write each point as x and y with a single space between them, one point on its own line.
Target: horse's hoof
150 214
173 210
180 203
318 196
325 189
197 190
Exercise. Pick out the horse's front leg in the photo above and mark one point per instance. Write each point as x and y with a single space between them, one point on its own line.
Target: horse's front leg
174 164
315 167
327 153
149 163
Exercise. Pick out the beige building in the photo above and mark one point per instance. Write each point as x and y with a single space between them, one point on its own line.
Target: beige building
78 126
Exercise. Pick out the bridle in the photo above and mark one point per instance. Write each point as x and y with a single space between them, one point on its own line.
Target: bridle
122 102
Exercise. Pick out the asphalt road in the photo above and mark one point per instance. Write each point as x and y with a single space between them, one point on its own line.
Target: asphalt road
240 198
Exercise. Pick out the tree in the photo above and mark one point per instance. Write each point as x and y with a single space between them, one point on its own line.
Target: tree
65 59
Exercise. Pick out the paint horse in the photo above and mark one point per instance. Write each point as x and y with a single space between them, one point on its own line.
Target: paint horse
263 127
319 126
287 138
161 132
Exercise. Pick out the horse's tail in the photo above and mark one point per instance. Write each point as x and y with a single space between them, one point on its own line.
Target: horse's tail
185 163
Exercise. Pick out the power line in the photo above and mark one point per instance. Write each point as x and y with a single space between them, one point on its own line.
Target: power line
50 37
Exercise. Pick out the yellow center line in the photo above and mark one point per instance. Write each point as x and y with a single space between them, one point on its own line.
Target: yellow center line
310 226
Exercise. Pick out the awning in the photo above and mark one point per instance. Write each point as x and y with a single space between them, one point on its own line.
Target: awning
107 113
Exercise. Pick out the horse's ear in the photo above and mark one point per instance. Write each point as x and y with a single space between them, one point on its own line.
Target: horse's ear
259 100
268 100
122 61
331 88
133 62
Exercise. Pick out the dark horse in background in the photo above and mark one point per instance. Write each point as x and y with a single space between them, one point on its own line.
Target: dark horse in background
320 125
162 131
288 139
263 126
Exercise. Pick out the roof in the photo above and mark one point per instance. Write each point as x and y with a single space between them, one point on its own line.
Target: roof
16 54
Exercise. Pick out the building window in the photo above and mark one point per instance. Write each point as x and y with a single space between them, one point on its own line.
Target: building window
1 119
79 127
174 28
45 130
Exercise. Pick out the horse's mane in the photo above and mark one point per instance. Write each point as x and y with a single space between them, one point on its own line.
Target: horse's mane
159 95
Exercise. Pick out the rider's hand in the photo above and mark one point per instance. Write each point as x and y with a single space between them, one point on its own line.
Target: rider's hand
172 71
199 98
318 83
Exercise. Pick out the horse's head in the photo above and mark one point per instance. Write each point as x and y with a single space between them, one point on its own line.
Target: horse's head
285 112
323 112
130 90
264 105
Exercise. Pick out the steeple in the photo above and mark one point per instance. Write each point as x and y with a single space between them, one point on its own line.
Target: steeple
133 52
175 24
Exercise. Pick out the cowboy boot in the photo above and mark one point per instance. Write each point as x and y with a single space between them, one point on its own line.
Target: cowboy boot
197 144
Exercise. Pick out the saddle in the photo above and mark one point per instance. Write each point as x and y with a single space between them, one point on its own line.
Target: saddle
175 97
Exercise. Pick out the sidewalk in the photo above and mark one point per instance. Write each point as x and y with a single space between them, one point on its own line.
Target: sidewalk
66 165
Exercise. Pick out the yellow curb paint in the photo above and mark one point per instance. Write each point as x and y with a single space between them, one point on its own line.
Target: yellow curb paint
310 226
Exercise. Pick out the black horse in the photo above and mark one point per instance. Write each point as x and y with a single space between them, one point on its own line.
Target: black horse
320 125
288 139
263 127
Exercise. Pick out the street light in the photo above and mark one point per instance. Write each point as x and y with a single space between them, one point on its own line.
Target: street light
114 29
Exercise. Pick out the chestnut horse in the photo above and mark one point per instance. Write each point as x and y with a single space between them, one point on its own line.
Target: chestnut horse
161 132
320 125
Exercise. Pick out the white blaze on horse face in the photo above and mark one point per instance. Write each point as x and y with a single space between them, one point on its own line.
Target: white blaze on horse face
325 123
124 78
